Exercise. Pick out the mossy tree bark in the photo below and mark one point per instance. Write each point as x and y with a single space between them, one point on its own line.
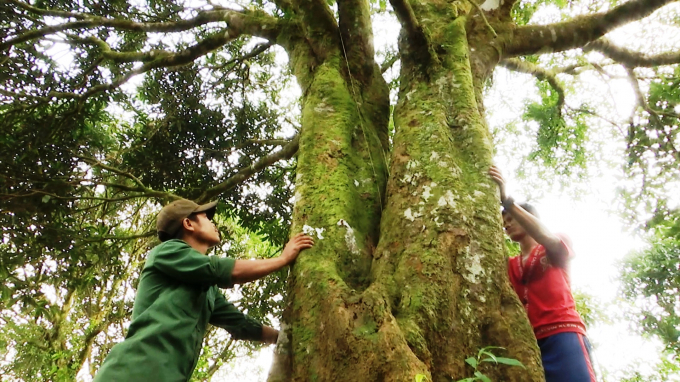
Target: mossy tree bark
408 275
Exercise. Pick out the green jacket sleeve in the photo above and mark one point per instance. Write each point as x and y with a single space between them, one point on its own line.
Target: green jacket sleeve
226 316
178 260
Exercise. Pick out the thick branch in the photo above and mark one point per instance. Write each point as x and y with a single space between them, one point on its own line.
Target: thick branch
540 73
256 24
414 31
631 58
506 8
579 31
318 15
356 34
245 173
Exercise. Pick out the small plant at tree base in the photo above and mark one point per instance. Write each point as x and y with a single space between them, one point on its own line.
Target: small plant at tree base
485 355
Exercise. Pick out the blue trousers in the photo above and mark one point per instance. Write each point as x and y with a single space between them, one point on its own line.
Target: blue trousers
566 358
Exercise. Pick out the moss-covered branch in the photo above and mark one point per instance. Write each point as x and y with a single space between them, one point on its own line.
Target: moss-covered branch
575 33
542 74
414 31
253 23
506 9
245 173
631 58
357 36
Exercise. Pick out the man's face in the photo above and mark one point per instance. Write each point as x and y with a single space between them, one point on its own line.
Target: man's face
204 230
512 228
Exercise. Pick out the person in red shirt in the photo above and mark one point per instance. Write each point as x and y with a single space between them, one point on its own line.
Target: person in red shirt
540 278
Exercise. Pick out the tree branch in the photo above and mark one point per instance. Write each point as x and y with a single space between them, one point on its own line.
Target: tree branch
257 50
90 21
631 58
575 33
176 59
114 237
356 33
388 63
245 173
642 102
540 73
414 31
222 356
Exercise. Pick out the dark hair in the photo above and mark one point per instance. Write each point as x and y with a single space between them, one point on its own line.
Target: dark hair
164 236
528 208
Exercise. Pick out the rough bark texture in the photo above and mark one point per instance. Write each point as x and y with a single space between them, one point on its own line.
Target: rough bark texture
408 275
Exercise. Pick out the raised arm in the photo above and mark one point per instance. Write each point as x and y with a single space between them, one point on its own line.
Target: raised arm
250 270
555 249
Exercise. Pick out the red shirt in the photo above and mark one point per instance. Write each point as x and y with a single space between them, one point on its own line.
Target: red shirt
545 292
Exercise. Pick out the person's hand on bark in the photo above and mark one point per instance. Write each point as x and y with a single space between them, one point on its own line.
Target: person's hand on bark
298 243
497 177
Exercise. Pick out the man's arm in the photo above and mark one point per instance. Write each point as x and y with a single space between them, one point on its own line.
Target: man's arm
249 270
555 249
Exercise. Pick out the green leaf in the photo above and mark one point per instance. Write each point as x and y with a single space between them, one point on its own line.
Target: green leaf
421 378
482 377
492 357
509 361
472 361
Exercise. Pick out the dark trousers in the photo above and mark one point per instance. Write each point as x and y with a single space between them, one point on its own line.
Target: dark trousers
566 358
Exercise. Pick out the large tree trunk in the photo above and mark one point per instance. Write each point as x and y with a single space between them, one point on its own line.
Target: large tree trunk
408 275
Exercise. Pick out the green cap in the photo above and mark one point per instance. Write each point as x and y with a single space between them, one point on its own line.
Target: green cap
170 218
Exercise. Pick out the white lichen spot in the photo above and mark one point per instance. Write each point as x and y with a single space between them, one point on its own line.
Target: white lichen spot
311 231
436 221
478 194
482 298
350 239
323 107
447 200
489 5
426 192
309 285
433 156
409 215
474 269
442 164
356 182
412 164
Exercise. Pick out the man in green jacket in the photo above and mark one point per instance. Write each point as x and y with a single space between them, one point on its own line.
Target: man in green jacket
178 295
